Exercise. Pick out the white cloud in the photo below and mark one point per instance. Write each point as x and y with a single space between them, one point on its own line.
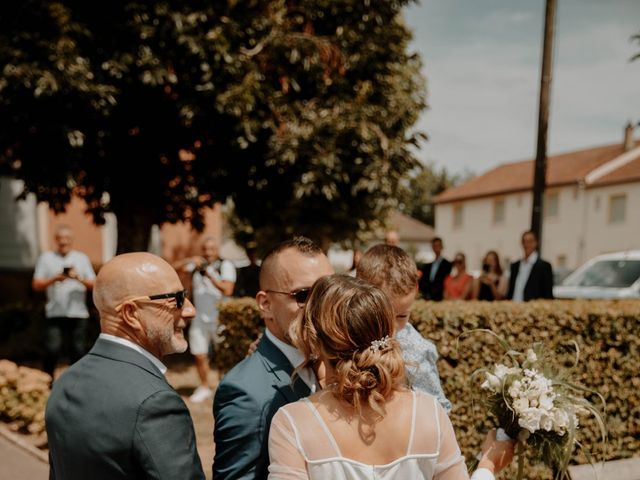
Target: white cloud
483 72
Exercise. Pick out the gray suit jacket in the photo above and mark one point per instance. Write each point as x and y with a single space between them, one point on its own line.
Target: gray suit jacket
246 400
112 415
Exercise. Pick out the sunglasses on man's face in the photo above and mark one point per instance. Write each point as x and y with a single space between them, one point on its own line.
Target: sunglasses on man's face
179 297
300 296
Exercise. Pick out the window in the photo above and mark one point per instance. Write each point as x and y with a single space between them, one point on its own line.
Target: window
551 205
498 212
617 208
457 216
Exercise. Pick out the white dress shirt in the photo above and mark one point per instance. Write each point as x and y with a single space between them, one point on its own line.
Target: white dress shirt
296 358
134 346
526 264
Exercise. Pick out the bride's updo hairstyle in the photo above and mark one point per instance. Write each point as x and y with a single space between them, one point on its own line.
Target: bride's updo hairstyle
351 323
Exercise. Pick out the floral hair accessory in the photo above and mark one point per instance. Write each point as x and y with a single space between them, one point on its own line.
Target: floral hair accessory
381 344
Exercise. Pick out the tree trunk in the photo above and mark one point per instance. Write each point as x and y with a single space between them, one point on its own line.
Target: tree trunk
134 228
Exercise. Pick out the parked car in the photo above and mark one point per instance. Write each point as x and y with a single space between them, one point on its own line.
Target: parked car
613 275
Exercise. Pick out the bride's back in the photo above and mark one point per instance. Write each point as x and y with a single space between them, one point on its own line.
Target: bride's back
409 427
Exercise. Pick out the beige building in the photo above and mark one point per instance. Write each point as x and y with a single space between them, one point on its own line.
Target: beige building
591 206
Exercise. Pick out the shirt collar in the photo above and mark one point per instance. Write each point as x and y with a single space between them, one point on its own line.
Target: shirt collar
134 346
294 355
531 259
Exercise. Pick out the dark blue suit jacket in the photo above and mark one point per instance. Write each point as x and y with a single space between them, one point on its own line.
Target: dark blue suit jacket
246 400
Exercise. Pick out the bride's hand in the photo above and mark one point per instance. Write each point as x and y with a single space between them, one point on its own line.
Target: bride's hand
496 455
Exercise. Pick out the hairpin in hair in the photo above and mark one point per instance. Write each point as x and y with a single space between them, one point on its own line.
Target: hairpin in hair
380 344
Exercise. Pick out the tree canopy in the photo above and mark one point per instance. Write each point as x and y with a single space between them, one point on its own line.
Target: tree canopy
421 186
299 112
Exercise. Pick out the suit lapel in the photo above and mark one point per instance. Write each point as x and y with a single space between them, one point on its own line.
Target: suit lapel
281 370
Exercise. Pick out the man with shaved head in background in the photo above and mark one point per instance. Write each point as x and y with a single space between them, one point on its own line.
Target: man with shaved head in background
251 393
112 415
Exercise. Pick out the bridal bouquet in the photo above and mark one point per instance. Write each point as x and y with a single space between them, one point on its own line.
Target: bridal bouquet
535 402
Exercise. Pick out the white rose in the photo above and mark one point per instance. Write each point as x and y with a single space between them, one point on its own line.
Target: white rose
502 371
560 420
520 405
531 356
546 400
546 422
515 390
492 383
530 419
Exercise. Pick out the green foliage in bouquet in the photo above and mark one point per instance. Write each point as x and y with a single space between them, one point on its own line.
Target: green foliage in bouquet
535 401
23 395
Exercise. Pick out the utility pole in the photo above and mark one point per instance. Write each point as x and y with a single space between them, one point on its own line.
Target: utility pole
539 181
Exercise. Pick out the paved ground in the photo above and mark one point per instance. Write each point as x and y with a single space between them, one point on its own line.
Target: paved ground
16 464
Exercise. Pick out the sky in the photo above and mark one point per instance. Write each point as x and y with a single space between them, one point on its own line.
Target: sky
482 63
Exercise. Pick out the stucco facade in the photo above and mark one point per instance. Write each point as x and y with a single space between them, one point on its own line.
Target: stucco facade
598 211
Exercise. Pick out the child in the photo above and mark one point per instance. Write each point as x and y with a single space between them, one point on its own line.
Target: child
391 269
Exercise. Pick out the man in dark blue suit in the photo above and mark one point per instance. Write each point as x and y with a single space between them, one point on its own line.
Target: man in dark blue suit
431 283
531 277
251 393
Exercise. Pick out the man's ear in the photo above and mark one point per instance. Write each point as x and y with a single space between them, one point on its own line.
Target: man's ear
264 304
131 317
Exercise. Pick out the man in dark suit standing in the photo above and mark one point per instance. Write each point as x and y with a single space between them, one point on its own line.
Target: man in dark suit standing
531 277
251 393
113 415
431 282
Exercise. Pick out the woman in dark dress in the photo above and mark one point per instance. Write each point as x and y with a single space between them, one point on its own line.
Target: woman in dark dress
491 284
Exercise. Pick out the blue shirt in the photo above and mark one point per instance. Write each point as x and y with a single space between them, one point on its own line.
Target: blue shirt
420 356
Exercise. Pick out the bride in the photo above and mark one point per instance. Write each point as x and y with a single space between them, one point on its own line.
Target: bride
366 423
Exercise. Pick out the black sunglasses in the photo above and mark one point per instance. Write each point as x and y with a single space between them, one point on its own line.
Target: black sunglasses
301 295
179 296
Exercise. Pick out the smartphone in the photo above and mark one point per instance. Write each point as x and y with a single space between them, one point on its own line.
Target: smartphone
65 271
485 268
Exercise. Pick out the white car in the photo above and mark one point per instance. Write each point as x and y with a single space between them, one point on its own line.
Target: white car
613 275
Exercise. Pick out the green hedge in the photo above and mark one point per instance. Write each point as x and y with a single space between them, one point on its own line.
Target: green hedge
607 332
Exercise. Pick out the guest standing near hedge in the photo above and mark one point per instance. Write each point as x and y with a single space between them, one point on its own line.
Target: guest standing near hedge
531 277
248 281
66 275
458 285
213 279
433 274
491 284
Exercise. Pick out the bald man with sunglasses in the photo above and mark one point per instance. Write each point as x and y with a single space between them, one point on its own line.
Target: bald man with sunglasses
112 415
251 393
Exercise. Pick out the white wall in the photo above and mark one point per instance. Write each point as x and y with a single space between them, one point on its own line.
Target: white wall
603 237
478 233
580 230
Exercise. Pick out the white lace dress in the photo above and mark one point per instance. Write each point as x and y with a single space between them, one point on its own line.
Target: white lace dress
301 446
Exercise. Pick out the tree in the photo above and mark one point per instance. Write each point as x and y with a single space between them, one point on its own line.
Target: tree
296 111
418 191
